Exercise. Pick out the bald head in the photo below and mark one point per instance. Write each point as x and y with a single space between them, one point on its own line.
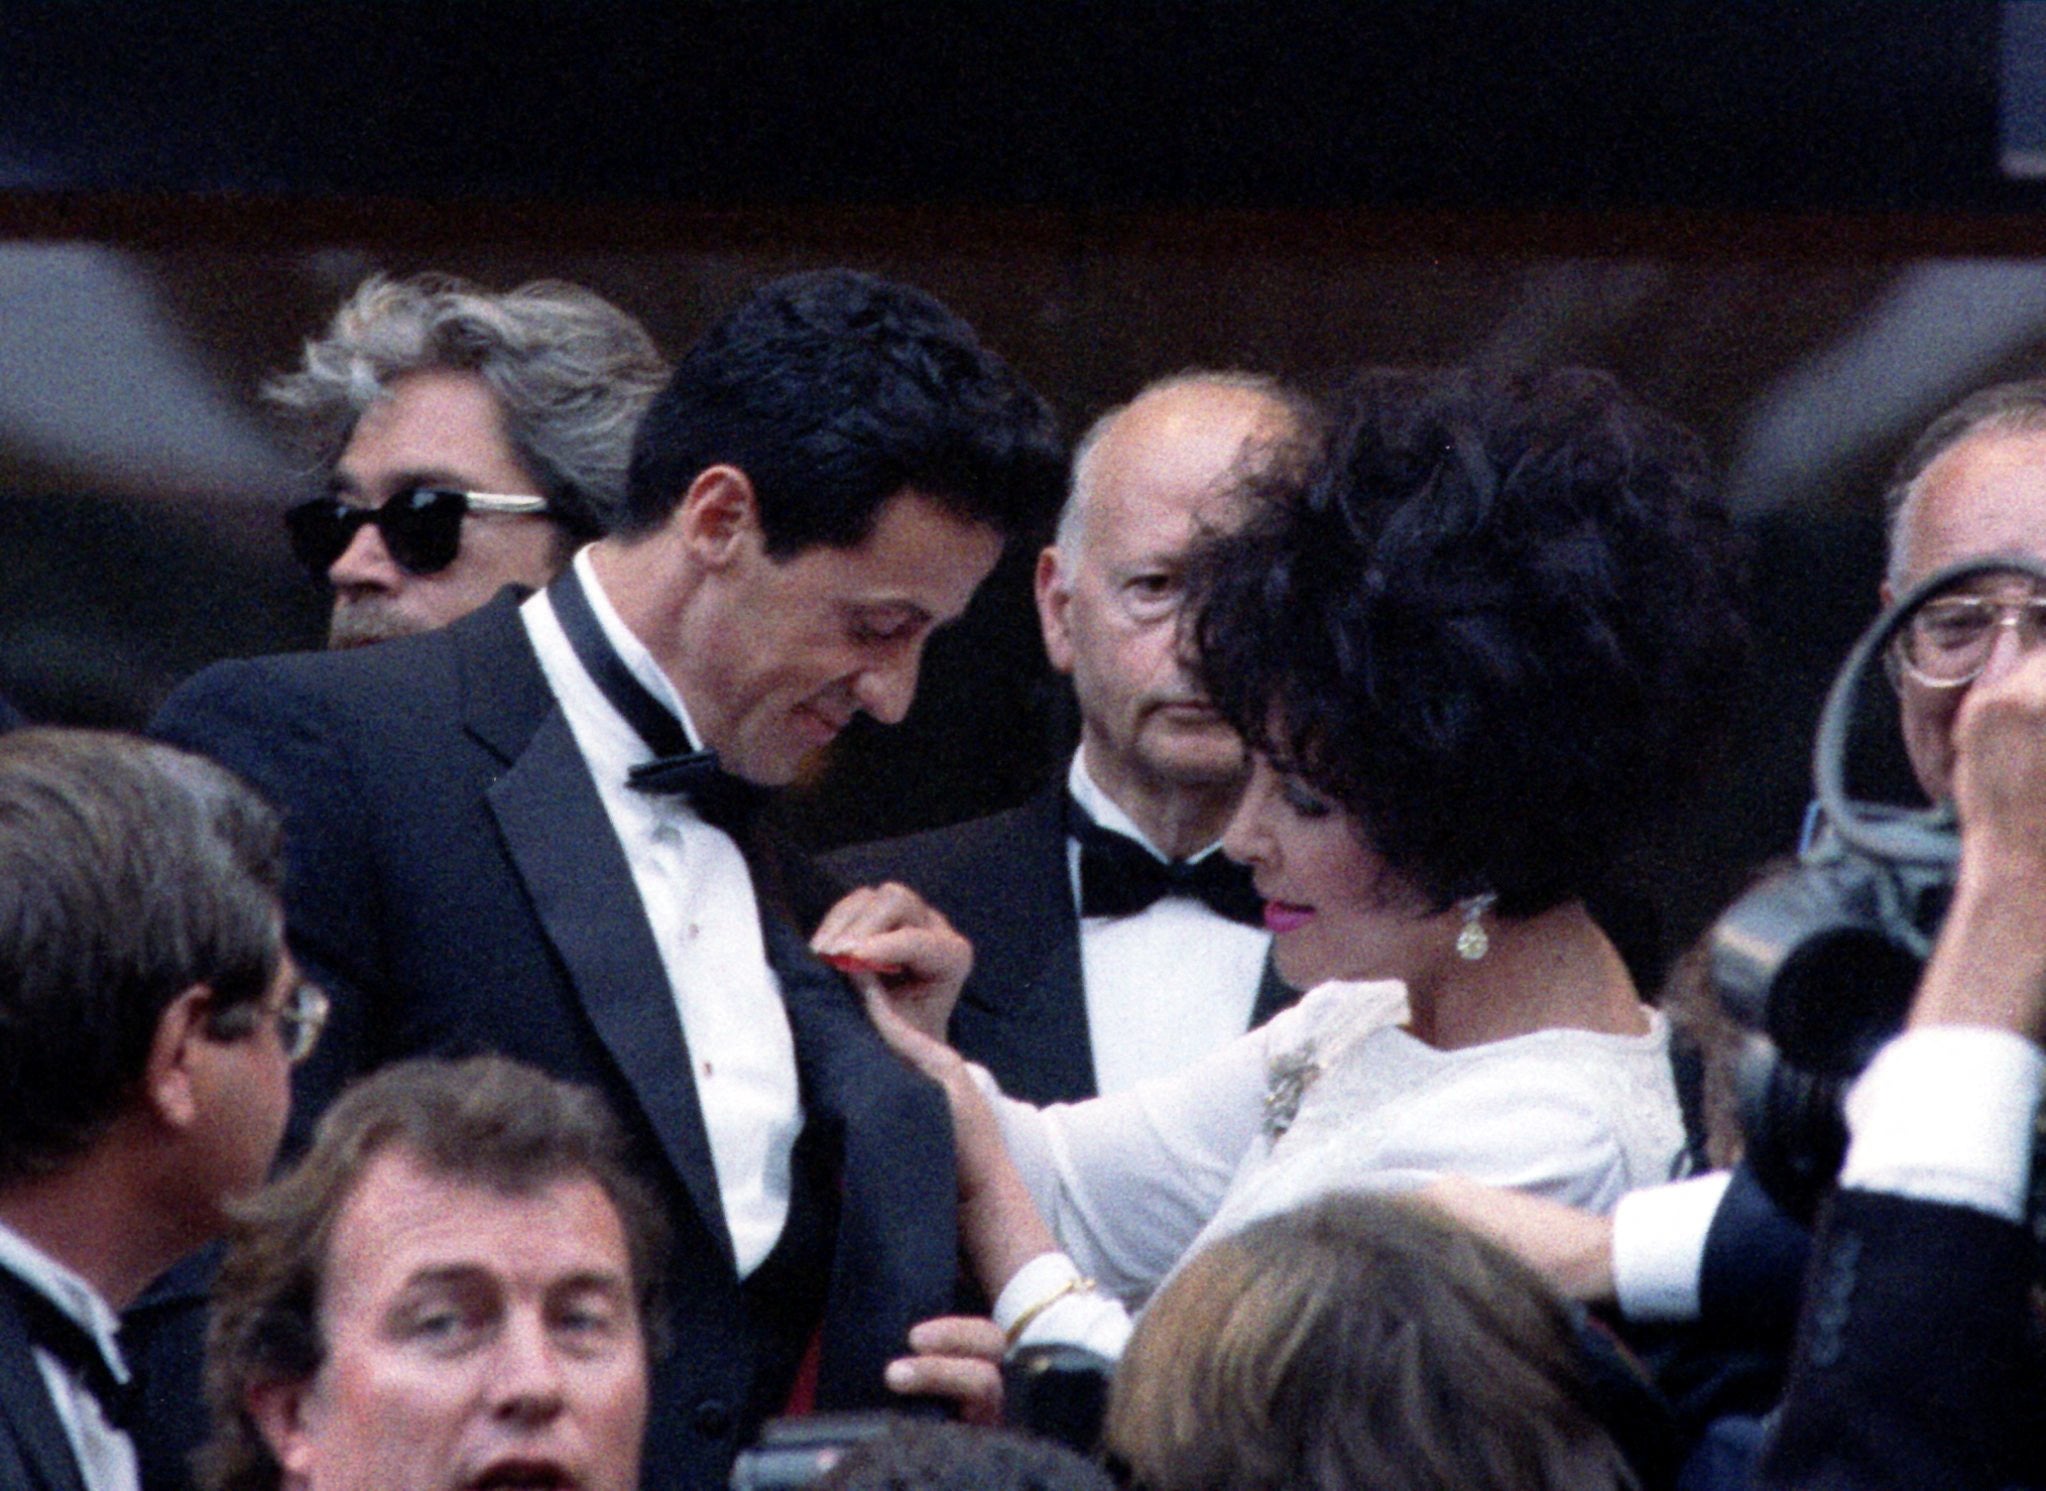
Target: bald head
1148 480
1184 439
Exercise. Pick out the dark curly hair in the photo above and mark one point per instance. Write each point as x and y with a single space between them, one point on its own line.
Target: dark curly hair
835 390
1498 621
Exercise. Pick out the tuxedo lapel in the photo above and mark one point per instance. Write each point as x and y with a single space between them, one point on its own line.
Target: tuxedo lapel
567 855
895 1254
27 1417
1032 984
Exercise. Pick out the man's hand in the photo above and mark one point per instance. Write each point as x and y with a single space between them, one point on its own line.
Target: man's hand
888 939
958 1357
1572 1249
1989 967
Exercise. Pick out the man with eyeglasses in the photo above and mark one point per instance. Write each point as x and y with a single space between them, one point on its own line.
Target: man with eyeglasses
1974 486
467 441
537 831
149 1016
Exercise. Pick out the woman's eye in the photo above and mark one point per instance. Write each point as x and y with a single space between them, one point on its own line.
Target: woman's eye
1303 801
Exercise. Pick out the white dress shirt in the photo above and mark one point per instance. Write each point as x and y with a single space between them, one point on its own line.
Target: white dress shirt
699 900
1168 985
105 1455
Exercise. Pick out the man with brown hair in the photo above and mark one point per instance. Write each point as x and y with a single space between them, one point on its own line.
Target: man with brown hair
456 1286
148 1020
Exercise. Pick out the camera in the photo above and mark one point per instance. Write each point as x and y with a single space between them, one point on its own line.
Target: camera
1057 1392
1818 967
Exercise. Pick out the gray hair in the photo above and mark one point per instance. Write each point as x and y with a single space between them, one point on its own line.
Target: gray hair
2006 409
571 372
1079 490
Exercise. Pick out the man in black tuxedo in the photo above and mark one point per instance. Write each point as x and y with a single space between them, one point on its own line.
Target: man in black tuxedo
512 835
150 1017
1112 941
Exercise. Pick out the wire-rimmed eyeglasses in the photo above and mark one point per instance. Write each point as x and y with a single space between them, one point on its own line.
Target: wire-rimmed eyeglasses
1948 643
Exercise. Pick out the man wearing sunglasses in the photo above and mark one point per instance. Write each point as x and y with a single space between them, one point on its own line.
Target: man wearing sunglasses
467 441
149 1016
534 831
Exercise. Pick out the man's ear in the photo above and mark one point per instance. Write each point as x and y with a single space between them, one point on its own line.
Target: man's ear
1054 597
278 1410
718 516
169 1079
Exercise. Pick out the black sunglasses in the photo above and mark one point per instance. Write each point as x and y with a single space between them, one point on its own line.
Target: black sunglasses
421 527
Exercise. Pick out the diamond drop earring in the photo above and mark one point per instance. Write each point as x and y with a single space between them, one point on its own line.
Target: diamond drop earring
1472 943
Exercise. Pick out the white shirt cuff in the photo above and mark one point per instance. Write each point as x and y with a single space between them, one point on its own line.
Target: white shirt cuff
1944 1113
1075 1317
1659 1247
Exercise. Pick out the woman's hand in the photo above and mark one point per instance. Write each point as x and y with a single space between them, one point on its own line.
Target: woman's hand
999 1223
887 938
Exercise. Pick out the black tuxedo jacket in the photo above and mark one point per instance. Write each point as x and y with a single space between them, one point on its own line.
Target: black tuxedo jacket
1004 882
35 1454
1914 1366
455 886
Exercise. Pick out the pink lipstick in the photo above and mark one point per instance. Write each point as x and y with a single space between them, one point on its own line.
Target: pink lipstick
1284 916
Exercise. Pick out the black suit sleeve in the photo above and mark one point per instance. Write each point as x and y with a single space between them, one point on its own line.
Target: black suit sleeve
286 743
1754 1264
1913 1365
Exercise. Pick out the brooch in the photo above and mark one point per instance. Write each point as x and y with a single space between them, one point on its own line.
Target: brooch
1287 1080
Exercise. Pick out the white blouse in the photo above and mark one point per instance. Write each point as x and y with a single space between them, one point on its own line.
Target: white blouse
1332 1095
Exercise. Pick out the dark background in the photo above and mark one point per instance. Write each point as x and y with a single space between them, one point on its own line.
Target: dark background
1791 224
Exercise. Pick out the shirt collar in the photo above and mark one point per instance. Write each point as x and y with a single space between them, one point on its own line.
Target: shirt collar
631 651
69 1292
1105 811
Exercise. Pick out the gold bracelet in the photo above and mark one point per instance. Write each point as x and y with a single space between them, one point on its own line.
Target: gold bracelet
1075 1285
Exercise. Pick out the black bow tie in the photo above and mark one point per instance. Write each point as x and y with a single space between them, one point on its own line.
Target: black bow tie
1120 877
720 799
78 1349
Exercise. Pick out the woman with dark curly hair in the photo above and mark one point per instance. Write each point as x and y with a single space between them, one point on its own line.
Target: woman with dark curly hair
1473 648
